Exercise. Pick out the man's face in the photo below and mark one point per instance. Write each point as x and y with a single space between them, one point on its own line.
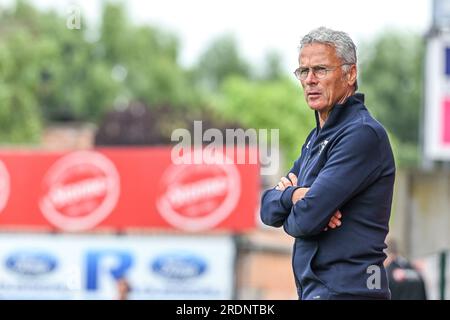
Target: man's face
322 94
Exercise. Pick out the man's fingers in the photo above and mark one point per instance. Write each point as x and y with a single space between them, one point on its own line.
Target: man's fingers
285 181
336 221
293 178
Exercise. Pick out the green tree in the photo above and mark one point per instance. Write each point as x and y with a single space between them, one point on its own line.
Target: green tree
277 104
220 60
148 59
273 69
58 74
20 117
391 75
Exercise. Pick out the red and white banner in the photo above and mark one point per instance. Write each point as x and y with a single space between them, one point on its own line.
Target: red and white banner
124 188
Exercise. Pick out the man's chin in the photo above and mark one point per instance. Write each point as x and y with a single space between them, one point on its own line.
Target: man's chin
315 103
316 106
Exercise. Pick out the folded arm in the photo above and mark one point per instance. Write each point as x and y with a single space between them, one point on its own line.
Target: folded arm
283 196
353 164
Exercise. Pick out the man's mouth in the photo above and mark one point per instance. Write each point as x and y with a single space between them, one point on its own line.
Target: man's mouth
313 94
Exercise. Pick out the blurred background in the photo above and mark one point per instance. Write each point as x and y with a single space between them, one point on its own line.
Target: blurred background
91 91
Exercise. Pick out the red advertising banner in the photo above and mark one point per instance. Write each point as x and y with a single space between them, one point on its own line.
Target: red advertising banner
124 188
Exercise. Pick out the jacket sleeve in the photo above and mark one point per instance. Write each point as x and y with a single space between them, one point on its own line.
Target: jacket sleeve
353 163
276 204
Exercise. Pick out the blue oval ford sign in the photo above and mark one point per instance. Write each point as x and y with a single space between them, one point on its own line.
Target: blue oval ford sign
179 266
31 263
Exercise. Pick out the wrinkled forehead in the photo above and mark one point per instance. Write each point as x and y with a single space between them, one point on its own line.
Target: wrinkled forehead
318 54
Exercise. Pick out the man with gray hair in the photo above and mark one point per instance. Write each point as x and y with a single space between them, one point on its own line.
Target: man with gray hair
336 199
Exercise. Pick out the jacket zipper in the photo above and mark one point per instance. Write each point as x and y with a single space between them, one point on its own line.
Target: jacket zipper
311 142
308 158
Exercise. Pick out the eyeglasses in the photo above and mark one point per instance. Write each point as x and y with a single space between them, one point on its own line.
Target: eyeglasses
319 72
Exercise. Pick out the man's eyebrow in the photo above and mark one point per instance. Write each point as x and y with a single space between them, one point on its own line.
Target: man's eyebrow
314 66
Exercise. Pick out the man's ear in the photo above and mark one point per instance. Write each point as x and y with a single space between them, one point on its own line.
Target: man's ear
351 75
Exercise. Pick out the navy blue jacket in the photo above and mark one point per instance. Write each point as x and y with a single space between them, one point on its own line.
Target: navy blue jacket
348 165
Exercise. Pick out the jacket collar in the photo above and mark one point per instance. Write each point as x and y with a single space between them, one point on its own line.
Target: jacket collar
341 111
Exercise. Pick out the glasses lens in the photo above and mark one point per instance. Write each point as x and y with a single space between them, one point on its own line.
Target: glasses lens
320 72
302 73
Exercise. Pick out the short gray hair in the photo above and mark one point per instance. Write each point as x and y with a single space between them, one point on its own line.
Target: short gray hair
343 44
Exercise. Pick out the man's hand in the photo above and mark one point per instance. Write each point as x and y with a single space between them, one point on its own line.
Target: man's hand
300 193
284 182
335 221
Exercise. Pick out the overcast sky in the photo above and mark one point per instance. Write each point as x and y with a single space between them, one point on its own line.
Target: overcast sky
260 25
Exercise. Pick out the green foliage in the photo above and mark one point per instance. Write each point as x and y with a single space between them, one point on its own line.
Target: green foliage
149 58
269 105
273 69
20 119
391 76
220 60
51 73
